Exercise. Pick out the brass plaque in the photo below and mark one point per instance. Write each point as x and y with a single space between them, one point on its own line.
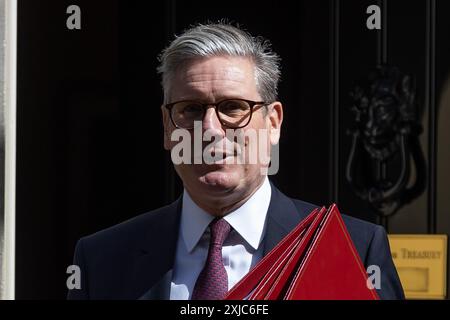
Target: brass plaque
421 262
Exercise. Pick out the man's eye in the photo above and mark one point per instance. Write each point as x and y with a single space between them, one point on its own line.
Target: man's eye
192 108
232 106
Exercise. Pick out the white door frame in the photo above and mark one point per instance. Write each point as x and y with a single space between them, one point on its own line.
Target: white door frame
8 107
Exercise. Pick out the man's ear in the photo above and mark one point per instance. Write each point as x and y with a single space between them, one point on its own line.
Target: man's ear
275 117
167 127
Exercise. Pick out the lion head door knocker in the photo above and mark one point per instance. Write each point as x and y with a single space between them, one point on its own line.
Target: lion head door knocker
386 166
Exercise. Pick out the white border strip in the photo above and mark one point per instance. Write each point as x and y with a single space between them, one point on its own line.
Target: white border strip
10 147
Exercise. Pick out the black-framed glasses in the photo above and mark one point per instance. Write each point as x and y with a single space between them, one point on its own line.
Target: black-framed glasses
232 113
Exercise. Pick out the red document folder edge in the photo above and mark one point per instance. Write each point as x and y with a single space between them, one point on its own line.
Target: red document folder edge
317 260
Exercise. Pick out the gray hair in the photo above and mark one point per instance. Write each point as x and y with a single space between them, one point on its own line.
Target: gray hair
215 39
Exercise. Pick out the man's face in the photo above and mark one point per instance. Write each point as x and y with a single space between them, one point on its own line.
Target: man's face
210 80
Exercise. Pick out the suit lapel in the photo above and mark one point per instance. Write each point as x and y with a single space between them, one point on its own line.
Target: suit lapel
282 217
152 270
161 289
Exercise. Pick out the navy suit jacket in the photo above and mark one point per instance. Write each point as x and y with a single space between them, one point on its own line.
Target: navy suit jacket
134 259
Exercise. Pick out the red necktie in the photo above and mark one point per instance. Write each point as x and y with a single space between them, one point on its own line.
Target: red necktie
212 283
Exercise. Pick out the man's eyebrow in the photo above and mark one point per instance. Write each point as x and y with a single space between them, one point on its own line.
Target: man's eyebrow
201 97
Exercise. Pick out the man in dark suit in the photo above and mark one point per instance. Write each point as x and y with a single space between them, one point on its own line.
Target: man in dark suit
220 85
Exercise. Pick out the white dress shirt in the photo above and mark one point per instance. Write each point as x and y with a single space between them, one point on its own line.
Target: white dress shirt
241 250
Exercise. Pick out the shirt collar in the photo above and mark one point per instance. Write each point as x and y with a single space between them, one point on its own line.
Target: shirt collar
194 221
248 220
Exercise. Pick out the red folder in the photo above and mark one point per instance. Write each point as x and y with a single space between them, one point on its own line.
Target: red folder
317 260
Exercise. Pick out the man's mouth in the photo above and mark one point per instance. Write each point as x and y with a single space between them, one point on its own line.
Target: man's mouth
217 154
219 157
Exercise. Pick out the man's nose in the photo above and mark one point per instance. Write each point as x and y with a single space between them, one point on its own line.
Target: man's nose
211 121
